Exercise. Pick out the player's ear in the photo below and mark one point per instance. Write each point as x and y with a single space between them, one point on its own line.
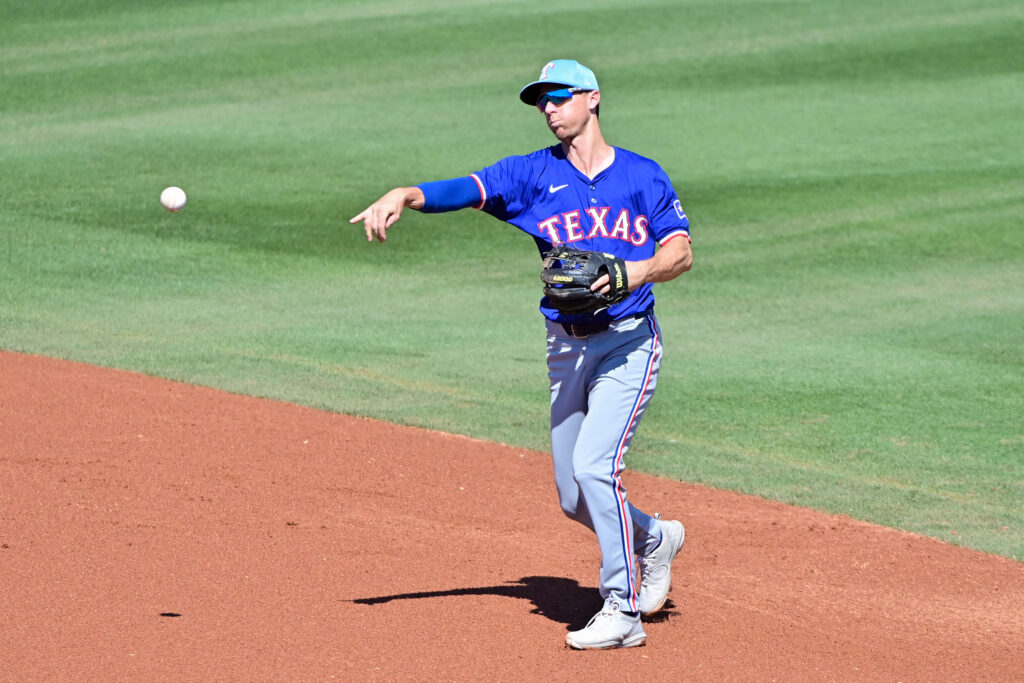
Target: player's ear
594 101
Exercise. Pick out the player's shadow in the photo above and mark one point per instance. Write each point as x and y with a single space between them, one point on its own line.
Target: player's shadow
559 599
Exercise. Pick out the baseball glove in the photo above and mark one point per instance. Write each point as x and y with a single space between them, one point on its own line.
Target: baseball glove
568 274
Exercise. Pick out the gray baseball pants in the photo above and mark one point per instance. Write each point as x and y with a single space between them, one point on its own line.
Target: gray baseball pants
600 387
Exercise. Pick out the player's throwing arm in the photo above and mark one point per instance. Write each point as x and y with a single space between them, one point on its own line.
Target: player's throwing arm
384 212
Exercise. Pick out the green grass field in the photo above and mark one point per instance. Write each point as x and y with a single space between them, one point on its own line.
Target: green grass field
850 337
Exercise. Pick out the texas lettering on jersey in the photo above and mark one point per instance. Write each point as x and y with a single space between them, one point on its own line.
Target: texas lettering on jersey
572 227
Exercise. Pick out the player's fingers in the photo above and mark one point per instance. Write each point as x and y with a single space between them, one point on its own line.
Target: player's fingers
367 224
601 283
377 218
380 222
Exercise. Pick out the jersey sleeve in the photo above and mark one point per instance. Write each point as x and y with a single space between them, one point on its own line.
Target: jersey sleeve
502 187
668 219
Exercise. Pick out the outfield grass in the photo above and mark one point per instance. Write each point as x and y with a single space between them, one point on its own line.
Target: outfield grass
849 339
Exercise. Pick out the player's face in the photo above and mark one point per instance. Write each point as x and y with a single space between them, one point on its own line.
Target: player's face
567 113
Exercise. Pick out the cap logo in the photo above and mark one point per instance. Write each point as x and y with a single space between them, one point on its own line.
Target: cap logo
545 70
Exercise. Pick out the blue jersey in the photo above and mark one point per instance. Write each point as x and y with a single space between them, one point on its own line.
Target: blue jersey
625 210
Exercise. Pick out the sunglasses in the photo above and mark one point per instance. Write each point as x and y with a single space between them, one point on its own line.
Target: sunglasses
557 97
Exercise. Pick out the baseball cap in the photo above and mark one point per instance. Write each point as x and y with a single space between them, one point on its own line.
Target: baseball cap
559 72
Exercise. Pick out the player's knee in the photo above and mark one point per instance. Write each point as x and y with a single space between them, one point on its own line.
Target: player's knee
570 504
571 510
586 476
570 499
577 512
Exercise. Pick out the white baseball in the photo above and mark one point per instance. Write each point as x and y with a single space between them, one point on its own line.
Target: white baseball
173 198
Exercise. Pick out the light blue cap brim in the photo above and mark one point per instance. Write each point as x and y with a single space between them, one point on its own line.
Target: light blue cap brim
567 72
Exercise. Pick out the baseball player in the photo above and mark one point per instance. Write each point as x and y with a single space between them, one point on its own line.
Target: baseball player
603 365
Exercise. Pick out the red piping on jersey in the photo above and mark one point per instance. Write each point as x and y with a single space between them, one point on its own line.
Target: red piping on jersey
673 235
483 192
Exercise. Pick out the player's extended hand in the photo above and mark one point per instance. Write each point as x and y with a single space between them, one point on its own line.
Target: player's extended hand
383 213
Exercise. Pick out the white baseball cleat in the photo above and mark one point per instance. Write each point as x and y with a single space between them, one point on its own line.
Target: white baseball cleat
656 568
607 629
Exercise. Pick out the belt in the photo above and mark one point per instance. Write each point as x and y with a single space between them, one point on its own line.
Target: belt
581 330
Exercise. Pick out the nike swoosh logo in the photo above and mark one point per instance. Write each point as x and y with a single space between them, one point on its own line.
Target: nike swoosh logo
552 189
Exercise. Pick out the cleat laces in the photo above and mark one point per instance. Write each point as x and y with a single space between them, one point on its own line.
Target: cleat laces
609 611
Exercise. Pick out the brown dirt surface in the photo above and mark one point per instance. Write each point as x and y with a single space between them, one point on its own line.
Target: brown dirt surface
151 530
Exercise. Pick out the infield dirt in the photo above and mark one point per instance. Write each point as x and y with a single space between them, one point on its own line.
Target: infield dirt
155 530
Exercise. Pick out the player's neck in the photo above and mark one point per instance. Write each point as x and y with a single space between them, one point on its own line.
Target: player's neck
588 152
